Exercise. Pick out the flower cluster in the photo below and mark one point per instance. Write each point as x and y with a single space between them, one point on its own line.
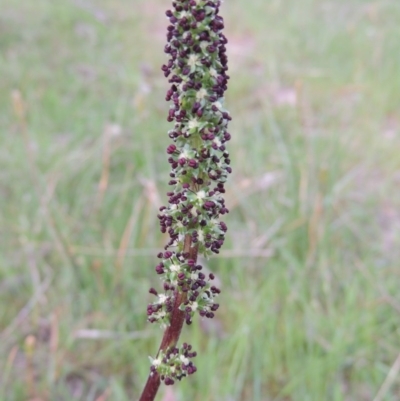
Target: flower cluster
197 71
198 157
185 274
200 162
174 364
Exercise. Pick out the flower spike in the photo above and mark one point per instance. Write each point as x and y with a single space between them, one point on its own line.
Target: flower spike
197 73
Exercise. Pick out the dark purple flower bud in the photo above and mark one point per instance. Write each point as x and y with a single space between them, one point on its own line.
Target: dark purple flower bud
159 269
215 290
171 149
195 107
200 16
153 291
193 163
209 204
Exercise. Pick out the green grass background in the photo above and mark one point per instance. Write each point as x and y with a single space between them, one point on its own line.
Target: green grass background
310 272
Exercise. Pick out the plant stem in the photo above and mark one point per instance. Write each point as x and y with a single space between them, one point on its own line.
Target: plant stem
173 331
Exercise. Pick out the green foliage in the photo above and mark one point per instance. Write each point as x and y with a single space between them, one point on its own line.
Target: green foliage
309 272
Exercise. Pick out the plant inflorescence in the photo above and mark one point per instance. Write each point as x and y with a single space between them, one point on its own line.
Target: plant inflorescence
200 164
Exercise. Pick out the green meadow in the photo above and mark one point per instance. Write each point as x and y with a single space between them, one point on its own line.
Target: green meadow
310 275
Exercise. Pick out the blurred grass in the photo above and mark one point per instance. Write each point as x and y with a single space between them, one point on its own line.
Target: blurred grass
310 304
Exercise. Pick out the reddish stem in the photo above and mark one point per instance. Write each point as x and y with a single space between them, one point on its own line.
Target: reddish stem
173 331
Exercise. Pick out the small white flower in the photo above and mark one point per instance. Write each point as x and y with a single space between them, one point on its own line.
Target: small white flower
203 44
162 298
200 234
218 105
175 268
217 142
193 123
201 94
156 362
201 195
194 276
194 306
193 60
213 72
184 359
